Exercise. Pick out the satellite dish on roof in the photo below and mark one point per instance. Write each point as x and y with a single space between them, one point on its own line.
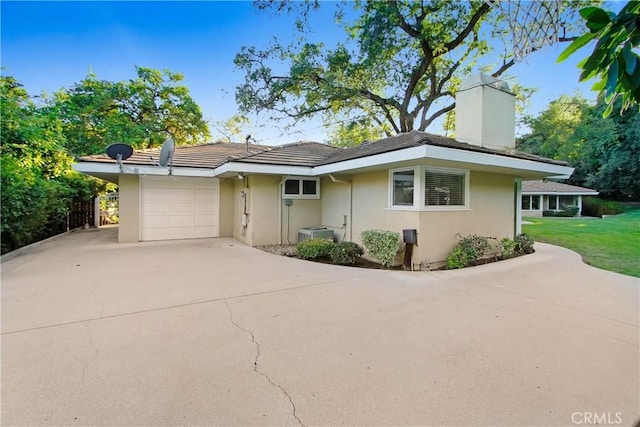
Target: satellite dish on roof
166 153
119 151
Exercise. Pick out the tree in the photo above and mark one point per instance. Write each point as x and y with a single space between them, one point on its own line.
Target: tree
140 112
234 125
400 67
38 183
603 151
619 175
613 60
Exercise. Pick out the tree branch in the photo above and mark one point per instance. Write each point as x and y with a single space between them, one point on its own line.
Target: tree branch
482 10
437 114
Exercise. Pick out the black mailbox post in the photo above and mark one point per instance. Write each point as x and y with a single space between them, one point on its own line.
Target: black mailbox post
410 237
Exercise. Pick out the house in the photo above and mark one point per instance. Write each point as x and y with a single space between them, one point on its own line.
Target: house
441 187
539 196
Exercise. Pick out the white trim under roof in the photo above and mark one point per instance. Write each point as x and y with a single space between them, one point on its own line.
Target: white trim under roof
406 154
560 193
114 170
238 167
446 153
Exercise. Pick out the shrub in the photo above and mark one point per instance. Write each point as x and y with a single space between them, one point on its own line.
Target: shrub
381 245
458 258
468 250
346 253
508 247
314 248
593 206
524 244
568 212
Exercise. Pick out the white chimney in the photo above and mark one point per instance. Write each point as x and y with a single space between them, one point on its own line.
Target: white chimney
486 112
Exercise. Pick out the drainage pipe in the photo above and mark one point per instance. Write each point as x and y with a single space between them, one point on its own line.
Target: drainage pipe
279 197
350 183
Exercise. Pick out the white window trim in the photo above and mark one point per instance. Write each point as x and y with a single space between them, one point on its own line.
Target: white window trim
416 188
419 186
300 195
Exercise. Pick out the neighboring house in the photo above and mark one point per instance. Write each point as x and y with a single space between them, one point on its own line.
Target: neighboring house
442 187
540 196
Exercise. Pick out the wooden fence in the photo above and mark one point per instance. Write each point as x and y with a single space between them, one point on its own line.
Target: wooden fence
82 212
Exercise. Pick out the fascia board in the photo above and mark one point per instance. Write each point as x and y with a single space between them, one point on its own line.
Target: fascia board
239 167
412 153
560 193
110 168
451 154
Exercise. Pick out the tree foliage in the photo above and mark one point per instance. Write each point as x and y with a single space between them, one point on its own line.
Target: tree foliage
603 151
398 68
38 183
614 60
140 112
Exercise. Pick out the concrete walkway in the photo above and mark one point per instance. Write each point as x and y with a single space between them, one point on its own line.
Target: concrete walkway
211 332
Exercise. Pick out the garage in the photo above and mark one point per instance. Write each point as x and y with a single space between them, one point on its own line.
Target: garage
178 207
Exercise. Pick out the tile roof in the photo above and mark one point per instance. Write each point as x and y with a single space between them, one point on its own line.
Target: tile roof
553 187
298 154
209 155
304 153
416 138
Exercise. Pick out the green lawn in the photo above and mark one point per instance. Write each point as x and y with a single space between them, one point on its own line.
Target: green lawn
610 243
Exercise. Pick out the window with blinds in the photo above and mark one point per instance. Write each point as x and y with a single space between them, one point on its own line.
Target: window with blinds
444 188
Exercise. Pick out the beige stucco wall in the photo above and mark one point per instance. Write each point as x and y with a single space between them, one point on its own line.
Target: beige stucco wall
491 214
129 193
226 207
262 200
301 213
531 213
335 205
370 206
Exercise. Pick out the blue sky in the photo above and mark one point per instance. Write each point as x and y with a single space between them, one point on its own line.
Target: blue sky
51 45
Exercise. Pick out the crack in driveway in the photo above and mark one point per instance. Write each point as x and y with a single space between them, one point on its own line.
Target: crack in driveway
80 381
255 364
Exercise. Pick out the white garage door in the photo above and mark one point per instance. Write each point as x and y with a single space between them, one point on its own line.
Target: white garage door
178 207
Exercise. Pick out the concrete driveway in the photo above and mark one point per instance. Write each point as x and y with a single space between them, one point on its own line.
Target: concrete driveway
211 332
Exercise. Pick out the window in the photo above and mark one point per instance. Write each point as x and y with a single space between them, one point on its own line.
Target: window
428 188
566 201
402 188
530 203
444 188
301 188
553 203
535 203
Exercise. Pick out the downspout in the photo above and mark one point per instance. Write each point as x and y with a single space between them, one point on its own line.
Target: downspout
334 179
518 208
284 178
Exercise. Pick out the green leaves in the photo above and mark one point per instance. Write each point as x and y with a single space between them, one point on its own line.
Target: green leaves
603 151
37 181
399 64
613 59
139 112
575 45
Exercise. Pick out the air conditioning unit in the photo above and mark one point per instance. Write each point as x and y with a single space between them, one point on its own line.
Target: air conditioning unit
314 233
